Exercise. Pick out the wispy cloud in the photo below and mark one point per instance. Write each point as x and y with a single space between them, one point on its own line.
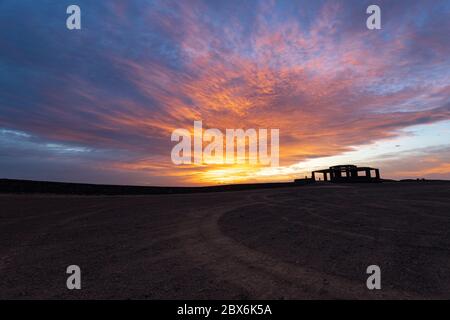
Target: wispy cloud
138 70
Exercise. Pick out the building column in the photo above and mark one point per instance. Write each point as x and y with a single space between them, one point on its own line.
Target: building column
325 178
368 173
313 176
377 173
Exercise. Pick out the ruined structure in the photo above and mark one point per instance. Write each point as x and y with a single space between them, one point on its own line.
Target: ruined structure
344 173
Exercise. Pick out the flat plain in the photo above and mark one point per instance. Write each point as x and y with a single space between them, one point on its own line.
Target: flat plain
301 242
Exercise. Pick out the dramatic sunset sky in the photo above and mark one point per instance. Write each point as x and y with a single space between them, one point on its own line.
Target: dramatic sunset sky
99 104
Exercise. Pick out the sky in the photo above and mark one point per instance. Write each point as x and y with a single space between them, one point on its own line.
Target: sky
99 104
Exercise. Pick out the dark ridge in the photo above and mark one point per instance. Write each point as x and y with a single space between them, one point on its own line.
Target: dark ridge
48 187
30 186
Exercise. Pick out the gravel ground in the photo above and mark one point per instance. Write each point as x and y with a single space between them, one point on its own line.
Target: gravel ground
306 242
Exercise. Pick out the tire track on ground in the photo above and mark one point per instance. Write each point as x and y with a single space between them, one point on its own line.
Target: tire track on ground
260 275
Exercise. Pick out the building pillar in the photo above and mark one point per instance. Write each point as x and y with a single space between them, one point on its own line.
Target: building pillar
368 173
313 176
325 177
377 173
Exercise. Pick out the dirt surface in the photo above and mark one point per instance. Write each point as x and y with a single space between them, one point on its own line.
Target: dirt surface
306 242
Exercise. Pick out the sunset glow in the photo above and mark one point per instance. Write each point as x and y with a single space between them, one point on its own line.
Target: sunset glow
99 105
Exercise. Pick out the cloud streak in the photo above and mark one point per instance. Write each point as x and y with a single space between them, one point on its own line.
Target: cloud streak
139 70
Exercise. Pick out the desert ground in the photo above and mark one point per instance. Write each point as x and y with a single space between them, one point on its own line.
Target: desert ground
303 242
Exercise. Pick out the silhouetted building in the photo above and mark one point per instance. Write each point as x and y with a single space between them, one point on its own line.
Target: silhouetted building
344 173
